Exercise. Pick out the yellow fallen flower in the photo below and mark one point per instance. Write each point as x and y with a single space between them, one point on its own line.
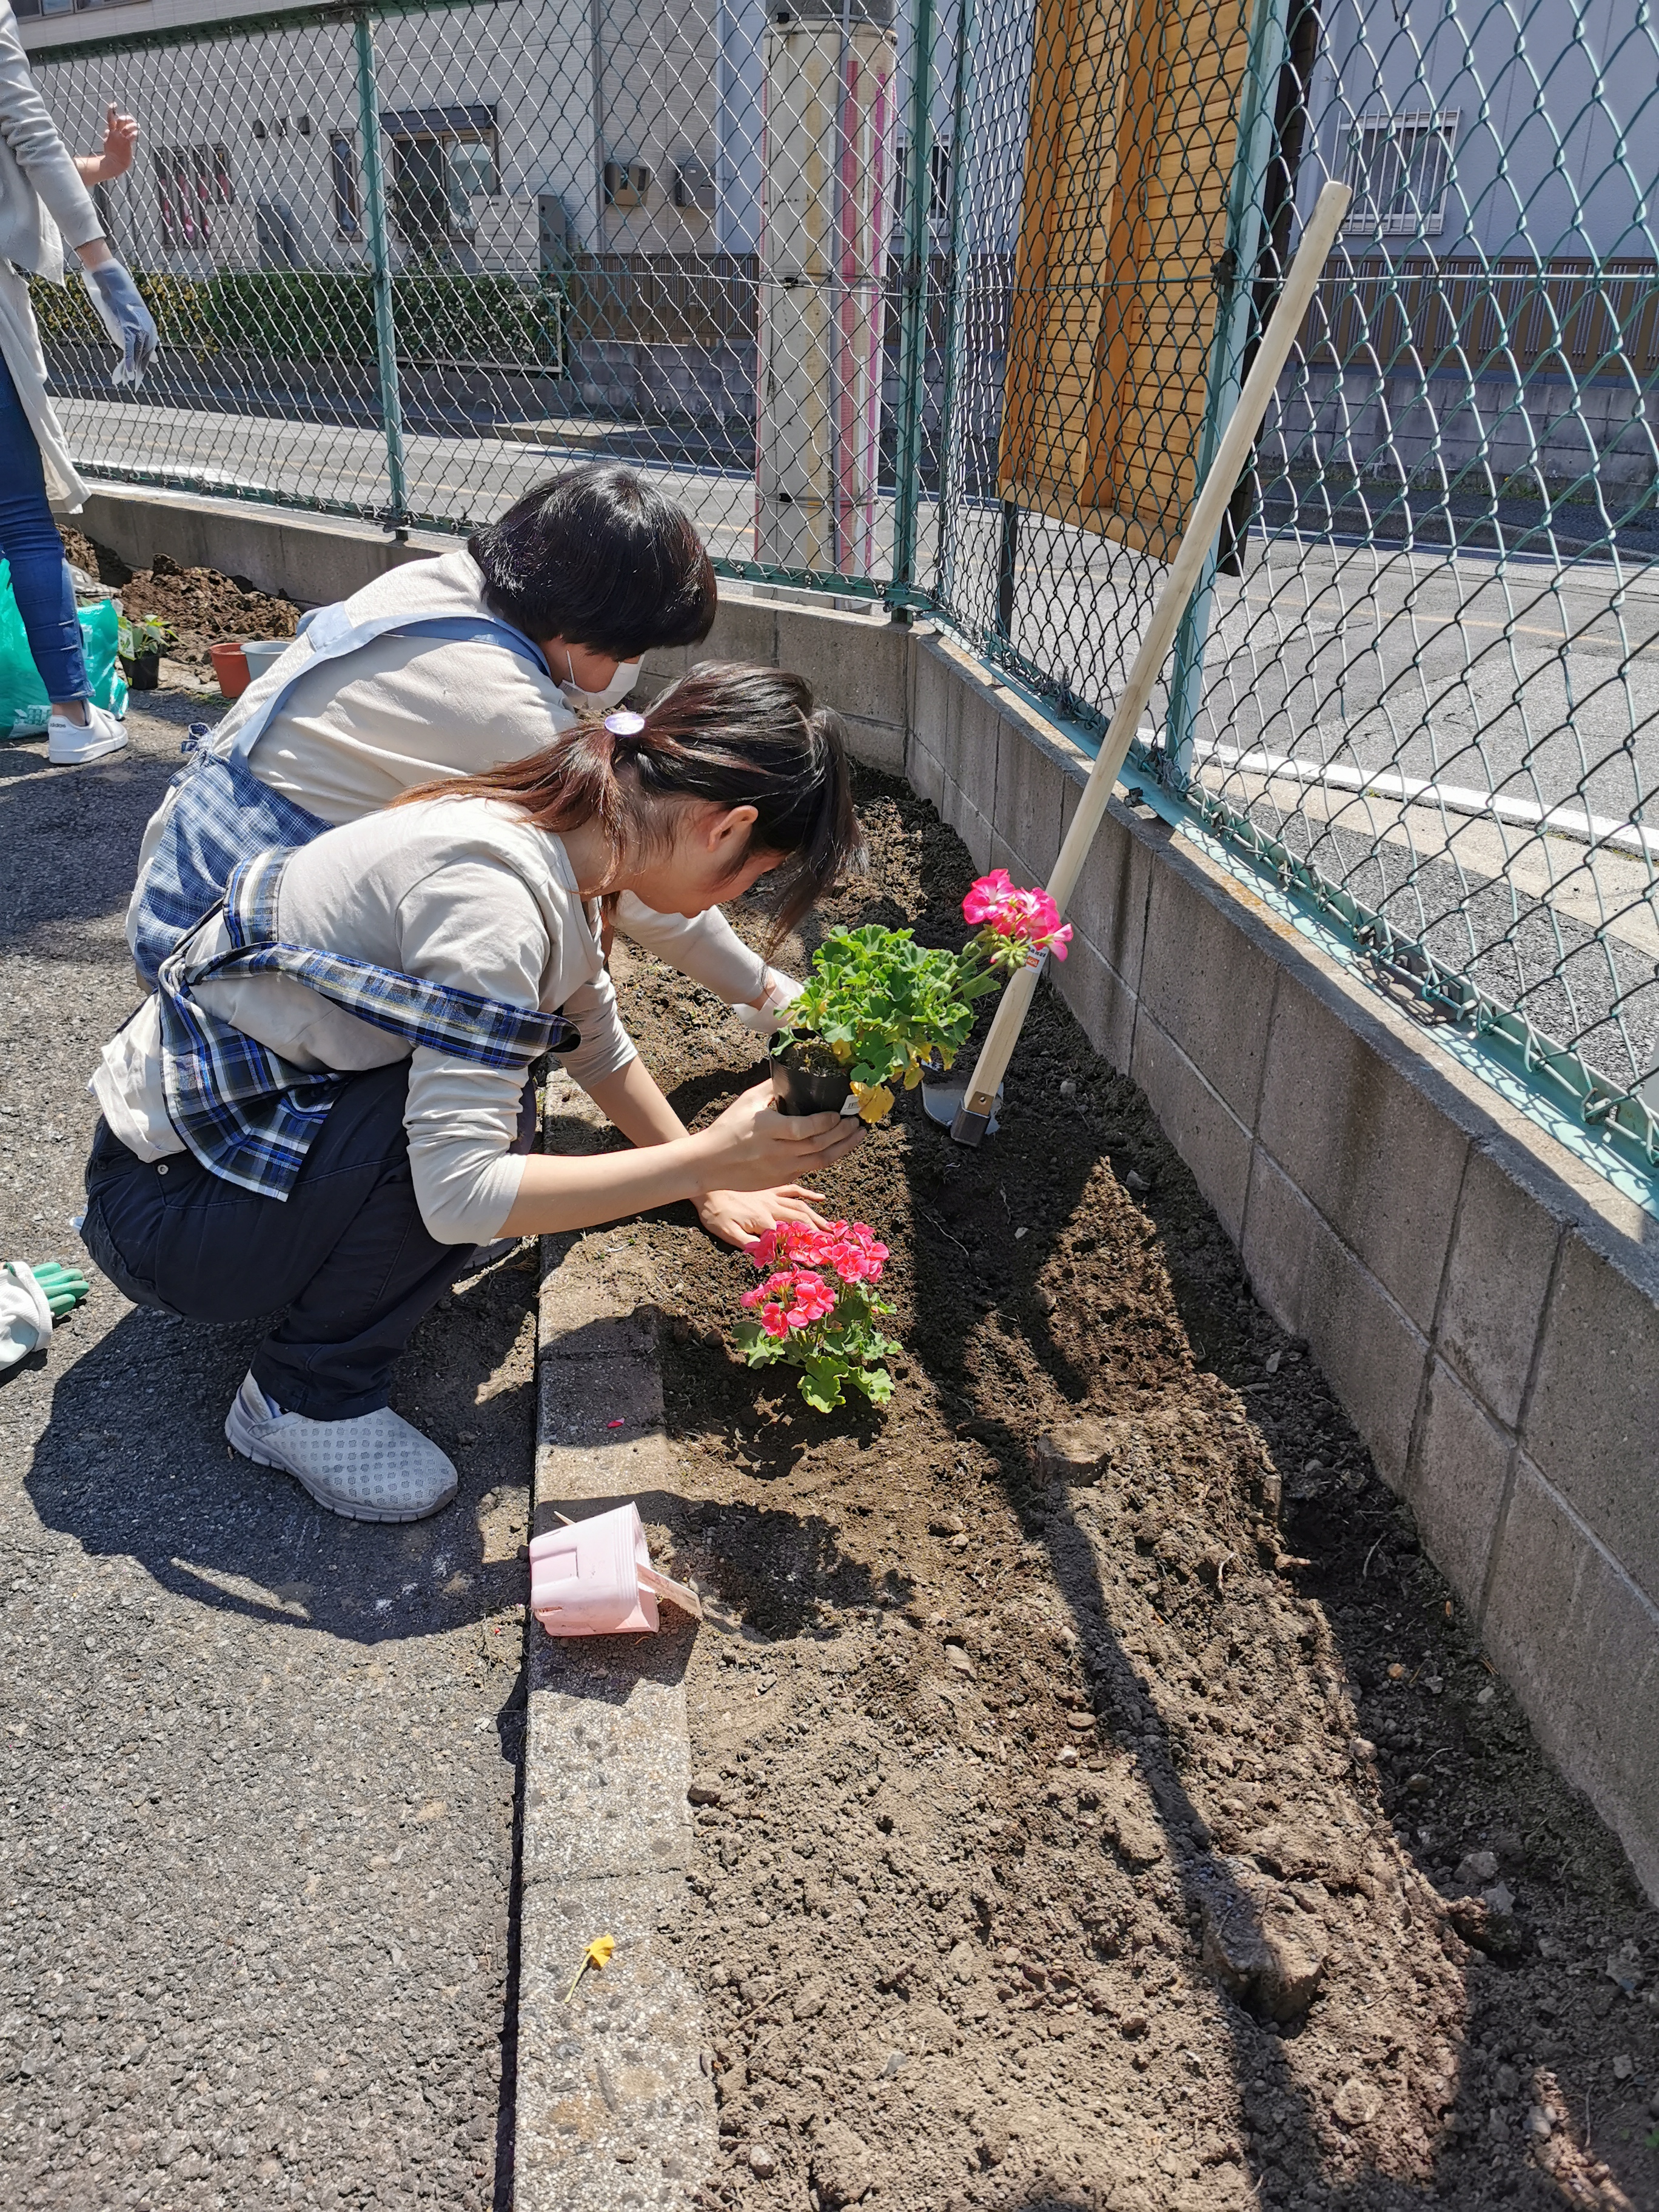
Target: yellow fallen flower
599 1955
875 1101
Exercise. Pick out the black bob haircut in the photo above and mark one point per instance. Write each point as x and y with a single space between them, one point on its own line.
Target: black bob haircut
596 557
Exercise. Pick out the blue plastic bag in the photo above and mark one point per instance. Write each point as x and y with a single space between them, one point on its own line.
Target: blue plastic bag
25 709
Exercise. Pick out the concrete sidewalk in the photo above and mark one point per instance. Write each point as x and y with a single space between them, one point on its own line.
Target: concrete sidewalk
256 1918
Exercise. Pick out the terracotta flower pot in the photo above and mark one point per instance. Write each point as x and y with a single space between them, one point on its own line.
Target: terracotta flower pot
807 1090
230 667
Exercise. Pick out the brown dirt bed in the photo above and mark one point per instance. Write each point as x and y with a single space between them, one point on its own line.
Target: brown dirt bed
202 606
1011 1774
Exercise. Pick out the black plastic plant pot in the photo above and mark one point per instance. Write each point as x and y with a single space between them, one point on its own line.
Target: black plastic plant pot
143 670
803 1089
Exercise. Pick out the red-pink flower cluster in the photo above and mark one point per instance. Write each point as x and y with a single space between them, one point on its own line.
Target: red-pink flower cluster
851 1247
998 901
795 1298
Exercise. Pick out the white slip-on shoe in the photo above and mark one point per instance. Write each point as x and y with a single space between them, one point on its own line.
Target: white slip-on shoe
375 1467
71 744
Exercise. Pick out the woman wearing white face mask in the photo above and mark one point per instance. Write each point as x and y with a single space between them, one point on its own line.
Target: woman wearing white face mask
452 667
601 701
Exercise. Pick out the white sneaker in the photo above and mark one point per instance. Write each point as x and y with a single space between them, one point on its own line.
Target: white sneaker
375 1467
71 744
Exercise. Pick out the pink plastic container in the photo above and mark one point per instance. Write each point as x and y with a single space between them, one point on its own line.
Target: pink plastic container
595 1579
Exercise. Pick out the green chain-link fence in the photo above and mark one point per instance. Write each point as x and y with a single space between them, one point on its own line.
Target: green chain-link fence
963 335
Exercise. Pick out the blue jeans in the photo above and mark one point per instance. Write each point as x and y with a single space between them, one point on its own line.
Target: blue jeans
29 541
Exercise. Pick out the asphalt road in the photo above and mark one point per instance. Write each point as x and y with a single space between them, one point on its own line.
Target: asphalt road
257 1844
1539 682
1535 683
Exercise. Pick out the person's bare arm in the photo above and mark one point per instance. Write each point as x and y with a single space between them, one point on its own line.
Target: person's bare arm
120 140
632 1101
751 1148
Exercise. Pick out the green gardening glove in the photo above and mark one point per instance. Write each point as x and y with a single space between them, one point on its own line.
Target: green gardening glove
64 1287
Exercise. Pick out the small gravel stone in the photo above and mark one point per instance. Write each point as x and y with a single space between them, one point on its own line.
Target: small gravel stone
1478 1867
763 2162
1072 1450
705 1790
1259 1947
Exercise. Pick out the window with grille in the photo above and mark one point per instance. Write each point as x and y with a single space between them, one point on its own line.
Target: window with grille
191 181
939 183
1398 167
343 170
443 160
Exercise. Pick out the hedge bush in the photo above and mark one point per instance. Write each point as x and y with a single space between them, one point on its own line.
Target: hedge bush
321 315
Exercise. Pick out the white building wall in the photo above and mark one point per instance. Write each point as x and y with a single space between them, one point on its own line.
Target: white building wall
1557 146
530 60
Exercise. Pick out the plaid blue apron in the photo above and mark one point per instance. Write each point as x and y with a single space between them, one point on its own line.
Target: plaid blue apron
221 813
250 1116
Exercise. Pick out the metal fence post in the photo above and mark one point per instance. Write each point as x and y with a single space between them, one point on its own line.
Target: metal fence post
386 327
956 304
1235 289
913 315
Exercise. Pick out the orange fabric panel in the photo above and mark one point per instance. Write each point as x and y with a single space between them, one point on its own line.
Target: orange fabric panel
1130 152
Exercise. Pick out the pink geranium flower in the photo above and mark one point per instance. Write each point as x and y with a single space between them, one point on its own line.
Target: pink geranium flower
811 1301
996 903
851 1247
985 900
793 1298
855 1252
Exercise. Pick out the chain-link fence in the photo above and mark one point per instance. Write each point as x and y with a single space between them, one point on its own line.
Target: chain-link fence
1420 687
950 305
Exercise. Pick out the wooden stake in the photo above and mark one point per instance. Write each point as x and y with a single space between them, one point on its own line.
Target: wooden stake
1203 525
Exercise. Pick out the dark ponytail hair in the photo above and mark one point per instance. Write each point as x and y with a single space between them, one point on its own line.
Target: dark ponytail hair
732 735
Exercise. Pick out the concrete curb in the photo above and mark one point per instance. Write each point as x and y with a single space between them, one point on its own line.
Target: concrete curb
613 2106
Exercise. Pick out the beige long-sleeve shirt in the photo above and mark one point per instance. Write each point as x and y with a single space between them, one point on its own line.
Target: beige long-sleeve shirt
463 892
42 199
40 191
358 732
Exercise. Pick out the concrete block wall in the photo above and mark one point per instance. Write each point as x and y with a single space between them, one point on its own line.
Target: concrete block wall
1484 1304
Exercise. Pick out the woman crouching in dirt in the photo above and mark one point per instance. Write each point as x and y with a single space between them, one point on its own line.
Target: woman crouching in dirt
325 1104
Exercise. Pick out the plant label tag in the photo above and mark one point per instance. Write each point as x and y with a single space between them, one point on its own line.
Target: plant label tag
849 1106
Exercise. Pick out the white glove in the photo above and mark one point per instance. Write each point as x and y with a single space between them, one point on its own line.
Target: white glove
121 310
25 1315
763 1019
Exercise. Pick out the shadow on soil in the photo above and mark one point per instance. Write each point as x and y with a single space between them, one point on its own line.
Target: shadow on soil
960 1279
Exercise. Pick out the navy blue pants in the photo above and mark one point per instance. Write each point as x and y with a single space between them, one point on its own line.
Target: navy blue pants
346 1252
30 543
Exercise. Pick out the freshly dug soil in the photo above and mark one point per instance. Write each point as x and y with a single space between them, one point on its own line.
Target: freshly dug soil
200 606
1125 1837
